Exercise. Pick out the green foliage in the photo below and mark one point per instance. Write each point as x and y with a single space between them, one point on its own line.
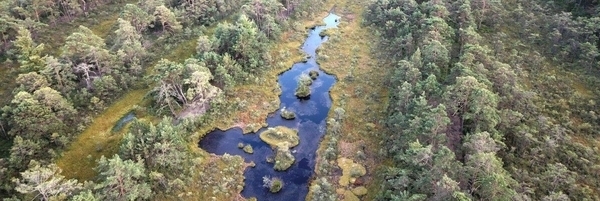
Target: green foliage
138 18
266 15
37 120
166 18
183 85
209 11
29 54
122 180
244 42
129 46
160 147
303 89
45 182
322 190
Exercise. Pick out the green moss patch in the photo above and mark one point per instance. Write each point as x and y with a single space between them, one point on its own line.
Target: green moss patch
350 171
360 191
274 136
349 196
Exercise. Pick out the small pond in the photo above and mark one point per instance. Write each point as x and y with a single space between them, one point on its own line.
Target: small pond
310 120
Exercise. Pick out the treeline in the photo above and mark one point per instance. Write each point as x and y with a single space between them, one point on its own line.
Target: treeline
461 124
55 91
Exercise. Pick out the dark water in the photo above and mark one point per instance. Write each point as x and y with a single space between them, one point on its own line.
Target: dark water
123 121
309 121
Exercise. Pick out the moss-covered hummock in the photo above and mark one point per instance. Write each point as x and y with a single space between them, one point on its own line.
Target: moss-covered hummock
283 157
276 135
287 114
303 89
350 171
313 74
305 80
276 185
349 196
360 191
248 149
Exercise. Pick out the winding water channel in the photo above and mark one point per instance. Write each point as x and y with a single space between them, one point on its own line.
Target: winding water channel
310 122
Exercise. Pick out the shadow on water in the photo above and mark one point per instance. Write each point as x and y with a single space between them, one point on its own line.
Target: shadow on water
310 123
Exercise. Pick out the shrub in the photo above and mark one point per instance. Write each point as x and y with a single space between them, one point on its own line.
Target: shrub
273 184
248 149
303 90
283 158
287 114
313 74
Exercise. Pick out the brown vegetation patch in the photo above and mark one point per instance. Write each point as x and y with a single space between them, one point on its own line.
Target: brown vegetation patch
347 149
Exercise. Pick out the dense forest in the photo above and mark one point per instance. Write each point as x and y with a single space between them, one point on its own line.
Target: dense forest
460 100
490 100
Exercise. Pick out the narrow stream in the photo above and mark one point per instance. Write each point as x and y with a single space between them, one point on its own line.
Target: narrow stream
310 123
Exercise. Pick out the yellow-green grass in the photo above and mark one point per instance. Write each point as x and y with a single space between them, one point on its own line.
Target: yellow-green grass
79 159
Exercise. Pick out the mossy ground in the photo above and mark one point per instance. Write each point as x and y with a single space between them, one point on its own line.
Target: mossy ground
360 89
97 140
350 171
